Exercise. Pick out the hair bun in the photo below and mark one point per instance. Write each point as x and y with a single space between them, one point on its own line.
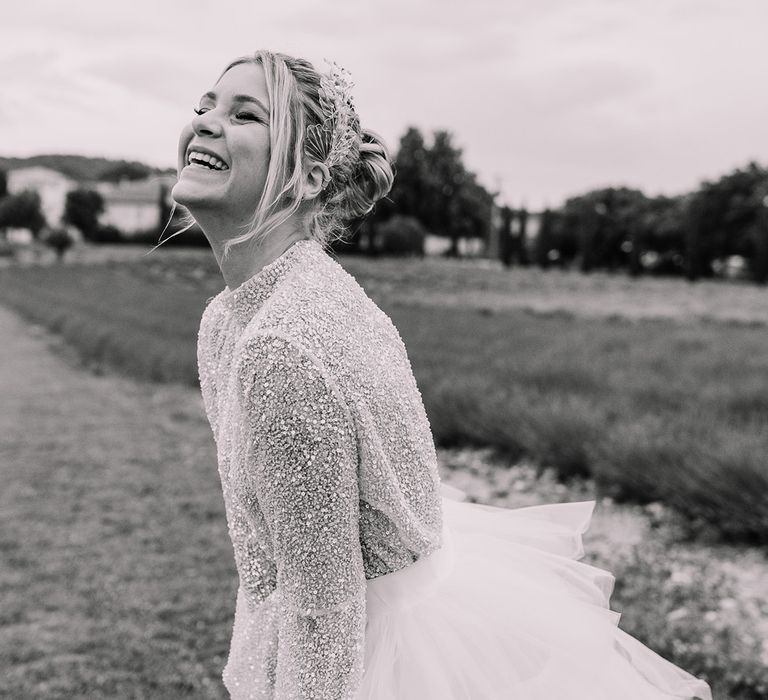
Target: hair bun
371 179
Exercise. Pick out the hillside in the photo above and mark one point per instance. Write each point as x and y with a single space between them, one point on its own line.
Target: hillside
85 168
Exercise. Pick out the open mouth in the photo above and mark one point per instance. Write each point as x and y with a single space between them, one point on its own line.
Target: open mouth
206 160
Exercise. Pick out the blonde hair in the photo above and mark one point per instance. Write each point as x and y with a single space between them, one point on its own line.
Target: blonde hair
356 184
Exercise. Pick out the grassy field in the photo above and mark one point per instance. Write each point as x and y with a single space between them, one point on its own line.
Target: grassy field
668 408
486 285
118 577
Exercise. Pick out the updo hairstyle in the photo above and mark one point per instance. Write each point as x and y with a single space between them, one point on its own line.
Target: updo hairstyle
356 183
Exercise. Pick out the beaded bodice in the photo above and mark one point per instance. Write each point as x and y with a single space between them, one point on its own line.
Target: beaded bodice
326 458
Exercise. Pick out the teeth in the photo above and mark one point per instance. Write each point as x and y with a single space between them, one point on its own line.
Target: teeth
206 160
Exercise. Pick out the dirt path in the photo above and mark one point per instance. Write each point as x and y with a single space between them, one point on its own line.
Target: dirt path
117 571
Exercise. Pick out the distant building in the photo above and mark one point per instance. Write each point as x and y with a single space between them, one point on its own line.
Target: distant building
435 246
135 206
51 185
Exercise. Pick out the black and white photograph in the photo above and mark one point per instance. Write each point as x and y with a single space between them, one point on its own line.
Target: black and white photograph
384 351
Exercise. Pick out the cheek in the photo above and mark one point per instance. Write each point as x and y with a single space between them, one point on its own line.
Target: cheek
253 162
184 138
249 186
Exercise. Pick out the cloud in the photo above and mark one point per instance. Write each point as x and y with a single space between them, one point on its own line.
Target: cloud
547 96
152 74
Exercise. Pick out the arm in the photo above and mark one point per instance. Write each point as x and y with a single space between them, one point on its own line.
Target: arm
303 453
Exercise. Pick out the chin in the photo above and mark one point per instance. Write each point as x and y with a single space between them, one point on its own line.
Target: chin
181 194
195 190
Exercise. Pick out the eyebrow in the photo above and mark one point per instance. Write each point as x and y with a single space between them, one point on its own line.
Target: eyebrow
238 98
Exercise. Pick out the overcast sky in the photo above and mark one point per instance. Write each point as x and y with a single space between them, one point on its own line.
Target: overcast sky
547 98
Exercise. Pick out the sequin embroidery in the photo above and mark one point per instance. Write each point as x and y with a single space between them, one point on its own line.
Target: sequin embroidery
327 463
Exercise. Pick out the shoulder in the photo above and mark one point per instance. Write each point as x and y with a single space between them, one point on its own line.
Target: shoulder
211 309
323 284
321 306
269 351
284 372
210 323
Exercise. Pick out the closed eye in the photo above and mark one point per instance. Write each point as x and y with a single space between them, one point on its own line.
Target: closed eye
248 115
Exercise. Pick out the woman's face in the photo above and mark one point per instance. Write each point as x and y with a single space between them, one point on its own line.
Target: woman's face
224 150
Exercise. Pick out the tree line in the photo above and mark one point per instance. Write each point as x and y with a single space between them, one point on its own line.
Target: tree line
694 234
616 228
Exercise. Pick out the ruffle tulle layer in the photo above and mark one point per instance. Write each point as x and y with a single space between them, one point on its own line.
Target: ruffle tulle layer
505 610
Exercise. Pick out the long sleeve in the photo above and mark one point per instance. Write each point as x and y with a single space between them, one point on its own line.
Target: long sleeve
302 457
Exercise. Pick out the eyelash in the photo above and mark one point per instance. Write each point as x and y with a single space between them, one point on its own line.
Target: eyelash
238 115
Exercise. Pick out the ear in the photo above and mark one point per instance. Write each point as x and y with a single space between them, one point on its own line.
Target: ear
316 180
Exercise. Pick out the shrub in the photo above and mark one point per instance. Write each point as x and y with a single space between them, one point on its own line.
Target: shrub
194 237
107 234
691 617
82 210
59 240
401 235
6 248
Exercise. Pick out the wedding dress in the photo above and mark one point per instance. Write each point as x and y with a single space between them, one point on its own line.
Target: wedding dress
361 576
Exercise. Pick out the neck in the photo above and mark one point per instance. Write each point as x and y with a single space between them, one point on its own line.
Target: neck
245 259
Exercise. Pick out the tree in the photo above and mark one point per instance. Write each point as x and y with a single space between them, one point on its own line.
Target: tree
603 221
635 246
721 219
622 227
82 209
58 239
505 236
472 209
544 241
22 210
164 209
3 195
407 198
409 191
758 259
458 206
692 250
582 215
660 232
522 237
446 175
433 186
124 170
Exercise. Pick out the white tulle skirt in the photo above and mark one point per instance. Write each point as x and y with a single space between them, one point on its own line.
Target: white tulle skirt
505 610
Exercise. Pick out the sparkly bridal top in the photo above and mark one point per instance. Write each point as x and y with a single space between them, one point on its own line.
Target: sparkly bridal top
327 465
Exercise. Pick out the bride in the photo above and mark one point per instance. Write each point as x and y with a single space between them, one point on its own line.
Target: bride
361 575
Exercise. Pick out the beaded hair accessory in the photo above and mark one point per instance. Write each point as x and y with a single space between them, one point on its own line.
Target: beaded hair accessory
332 141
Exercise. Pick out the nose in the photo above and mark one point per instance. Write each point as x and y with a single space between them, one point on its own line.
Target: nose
206 124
